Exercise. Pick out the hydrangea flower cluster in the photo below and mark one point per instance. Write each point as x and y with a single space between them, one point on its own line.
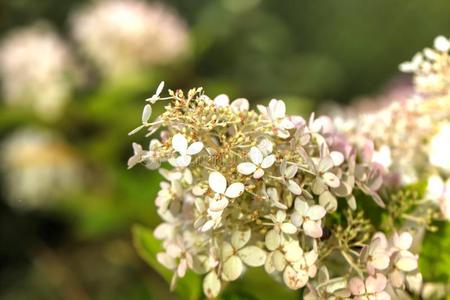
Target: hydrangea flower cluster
122 36
247 188
44 84
409 139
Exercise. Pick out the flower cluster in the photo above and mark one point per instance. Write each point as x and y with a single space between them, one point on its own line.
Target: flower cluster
247 188
409 139
43 84
38 168
124 35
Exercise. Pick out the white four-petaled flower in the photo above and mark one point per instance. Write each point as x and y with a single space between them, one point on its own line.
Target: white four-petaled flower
261 158
180 145
308 217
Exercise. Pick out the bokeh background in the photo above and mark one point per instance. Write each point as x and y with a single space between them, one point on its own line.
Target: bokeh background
74 75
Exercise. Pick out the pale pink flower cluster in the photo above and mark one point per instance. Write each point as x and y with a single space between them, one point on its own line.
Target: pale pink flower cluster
36 69
247 188
122 36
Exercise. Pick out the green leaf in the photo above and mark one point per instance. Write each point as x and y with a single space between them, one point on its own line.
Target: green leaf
434 262
147 246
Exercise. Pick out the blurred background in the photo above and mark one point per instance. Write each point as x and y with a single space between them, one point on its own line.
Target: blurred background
74 75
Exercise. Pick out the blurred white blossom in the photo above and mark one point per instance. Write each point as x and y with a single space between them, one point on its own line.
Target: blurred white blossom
122 36
38 168
37 70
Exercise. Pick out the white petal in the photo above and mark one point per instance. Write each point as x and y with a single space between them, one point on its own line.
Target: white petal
269 266
279 261
226 251
252 256
211 285
221 100
286 124
218 205
403 241
279 109
194 148
406 263
375 284
337 157
183 160
293 251
380 261
232 268
441 43
146 113
325 164
268 161
312 229
290 171
258 173
328 201
159 89
311 257
207 226
294 188
331 180
166 260
288 228
240 238
293 279
272 240
265 146
179 143
234 190
256 155
240 105
217 182
301 206
297 218
246 168
316 212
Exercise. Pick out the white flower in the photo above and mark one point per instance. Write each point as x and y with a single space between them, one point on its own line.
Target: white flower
276 111
180 145
287 174
280 224
308 218
138 154
440 148
376 255
260 159
240 105
324 176
439 192
217 203
234 255
441 43
404 260
155 96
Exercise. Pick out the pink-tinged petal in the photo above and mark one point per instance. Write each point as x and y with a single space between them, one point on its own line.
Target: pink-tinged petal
217 182
194 148
256 155
380 261
403 241
179 143
312 229
240 105
246 168
383 296
286 124
268 161
235 190
356 286
316 212
331 180
258 173
182 267
396 278
376 284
